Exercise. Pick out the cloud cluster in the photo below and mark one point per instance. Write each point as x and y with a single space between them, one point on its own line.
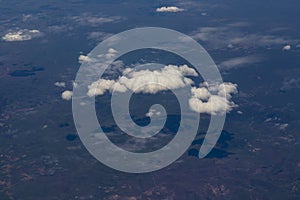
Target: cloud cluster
145 81
67 95
277 122
169 9
213 99
21 35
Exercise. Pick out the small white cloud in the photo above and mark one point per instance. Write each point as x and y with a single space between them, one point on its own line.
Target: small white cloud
100 87
67 95
277 122
287 48
26 17
272 119
83 58
153 112
74 84
268 120
230 46
60 84
21 35
111 53
169 9
34 31
282 126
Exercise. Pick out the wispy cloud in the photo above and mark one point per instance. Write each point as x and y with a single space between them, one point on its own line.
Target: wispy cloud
234 35
94 20
59 29
98 36
290 83
239 62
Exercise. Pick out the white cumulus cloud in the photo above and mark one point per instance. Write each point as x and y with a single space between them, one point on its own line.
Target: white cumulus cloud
146 81
213 99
